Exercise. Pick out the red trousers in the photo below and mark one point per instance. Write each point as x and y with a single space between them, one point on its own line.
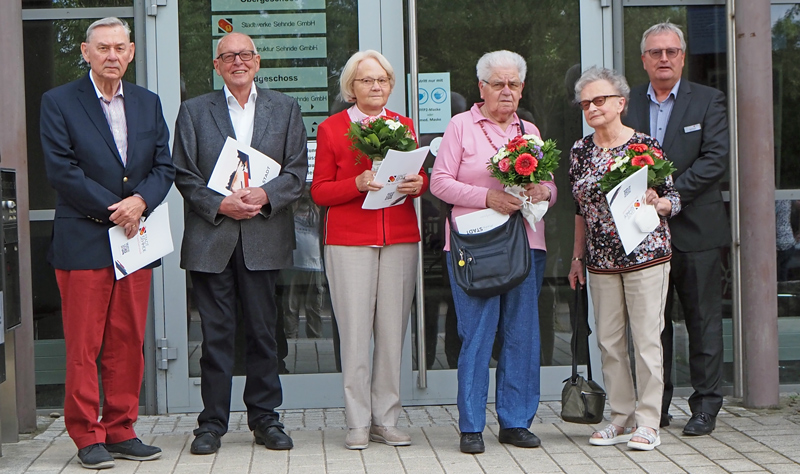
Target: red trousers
101 312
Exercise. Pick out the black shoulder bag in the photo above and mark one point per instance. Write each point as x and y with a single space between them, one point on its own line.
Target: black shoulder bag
493 262
582 400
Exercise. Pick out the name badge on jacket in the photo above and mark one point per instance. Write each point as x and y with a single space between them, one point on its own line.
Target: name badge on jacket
691 128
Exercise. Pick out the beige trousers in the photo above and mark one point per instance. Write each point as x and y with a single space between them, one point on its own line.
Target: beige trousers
634 299
371 290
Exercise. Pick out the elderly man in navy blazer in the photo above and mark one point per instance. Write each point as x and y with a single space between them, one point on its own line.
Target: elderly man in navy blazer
234 246
689 121
106 153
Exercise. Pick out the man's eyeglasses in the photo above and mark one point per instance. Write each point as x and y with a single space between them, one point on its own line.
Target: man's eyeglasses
230 57
497 86
368 81
656 53
597 101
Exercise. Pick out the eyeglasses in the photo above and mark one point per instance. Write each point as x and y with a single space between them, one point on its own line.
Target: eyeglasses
368 81
230 57
497 86
597 101
656 53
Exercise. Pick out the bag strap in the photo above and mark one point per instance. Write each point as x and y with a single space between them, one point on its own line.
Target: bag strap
521 126
577 321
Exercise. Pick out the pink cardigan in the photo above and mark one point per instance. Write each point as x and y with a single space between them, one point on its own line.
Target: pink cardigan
459 174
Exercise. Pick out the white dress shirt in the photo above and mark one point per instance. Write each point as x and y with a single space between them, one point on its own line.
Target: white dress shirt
242 118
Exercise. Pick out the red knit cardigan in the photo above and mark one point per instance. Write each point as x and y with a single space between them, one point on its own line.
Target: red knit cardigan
334 186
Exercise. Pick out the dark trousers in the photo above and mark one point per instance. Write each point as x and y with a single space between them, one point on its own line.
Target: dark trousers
697 279
217 295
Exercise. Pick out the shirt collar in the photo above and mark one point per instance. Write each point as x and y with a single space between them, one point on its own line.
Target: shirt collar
100 94
651 93
251 99
356 115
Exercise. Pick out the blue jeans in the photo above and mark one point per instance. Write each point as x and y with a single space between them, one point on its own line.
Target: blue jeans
515 317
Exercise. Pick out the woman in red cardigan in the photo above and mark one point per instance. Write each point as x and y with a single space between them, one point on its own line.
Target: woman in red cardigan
370 256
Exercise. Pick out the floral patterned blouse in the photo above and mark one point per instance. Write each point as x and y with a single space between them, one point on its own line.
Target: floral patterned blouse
604 251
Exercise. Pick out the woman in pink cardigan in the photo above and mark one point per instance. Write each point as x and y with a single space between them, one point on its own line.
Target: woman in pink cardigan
460 178
370 257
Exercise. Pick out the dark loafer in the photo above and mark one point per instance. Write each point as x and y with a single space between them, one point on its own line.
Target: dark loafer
206 443
700 424
519 437
472 443
273 437
134 450
95 456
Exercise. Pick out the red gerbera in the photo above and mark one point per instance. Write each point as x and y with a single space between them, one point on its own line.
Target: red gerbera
642 160
526 164
515 143
638 147
504 165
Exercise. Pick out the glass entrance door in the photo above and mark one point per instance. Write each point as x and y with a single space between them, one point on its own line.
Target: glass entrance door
550 36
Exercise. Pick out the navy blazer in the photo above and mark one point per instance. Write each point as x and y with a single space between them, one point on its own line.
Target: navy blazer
84 167
696 141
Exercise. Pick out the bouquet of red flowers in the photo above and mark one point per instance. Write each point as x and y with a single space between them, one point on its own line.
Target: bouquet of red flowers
635 157
375 136
524 159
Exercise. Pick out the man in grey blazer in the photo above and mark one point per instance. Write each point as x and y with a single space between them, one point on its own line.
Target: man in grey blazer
234 246
689 121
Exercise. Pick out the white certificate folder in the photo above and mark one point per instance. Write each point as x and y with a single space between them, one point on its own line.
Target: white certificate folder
240 166
393 171
152 241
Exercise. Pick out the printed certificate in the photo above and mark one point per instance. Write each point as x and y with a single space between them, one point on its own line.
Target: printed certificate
626 202
393 171
480 221
152 241
239 166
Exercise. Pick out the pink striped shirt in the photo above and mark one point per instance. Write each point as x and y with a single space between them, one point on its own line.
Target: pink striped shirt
114 110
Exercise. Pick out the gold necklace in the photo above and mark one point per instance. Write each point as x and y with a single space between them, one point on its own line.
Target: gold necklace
613 140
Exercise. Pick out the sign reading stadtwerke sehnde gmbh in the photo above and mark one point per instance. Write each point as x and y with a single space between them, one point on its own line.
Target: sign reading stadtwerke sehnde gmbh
282 30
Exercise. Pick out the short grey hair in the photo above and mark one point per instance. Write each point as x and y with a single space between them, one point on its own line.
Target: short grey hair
594 74
109 22
500 59
348 76
219 43
660 28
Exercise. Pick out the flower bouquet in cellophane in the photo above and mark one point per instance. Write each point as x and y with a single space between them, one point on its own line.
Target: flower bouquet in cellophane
523 160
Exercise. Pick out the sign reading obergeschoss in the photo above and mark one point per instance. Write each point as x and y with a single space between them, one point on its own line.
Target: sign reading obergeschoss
250 5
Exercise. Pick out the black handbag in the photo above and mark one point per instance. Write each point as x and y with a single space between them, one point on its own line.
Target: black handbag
493 262
582 400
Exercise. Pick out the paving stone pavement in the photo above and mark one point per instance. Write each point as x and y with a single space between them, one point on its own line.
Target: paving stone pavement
744 441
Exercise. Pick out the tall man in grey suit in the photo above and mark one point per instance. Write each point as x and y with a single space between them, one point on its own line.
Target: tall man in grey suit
234 246
689 121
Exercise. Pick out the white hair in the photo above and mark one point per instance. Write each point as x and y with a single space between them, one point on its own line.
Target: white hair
660 28
594 74
219 43
500 59
109 22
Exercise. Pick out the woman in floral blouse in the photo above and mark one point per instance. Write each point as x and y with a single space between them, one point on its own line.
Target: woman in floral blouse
626 288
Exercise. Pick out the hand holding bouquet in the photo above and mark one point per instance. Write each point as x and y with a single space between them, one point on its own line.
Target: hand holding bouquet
635 157
524 160
375 136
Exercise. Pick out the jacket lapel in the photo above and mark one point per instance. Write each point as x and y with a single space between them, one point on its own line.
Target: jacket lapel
91 104
132 119
219 111
261 119
678 110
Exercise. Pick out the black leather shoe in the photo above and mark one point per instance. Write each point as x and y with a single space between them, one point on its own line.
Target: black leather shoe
95 456
519 437
472 443
665 419
700 424
207 442
273 437
134 450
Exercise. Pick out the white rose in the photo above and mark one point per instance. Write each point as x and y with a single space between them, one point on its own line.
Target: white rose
393 124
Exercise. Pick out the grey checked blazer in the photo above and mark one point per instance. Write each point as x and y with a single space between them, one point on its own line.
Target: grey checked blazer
209 238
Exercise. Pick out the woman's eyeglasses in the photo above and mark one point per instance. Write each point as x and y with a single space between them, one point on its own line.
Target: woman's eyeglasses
368 81
497 86
598 101
656 53
243 55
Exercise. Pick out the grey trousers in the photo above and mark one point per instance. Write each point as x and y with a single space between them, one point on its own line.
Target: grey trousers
371 291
